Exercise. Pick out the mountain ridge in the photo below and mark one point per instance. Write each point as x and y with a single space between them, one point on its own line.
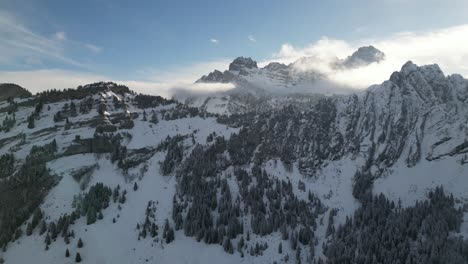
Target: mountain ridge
10 90
141 178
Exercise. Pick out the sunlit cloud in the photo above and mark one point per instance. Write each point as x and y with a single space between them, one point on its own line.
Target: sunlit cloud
251 38
445 47
214 41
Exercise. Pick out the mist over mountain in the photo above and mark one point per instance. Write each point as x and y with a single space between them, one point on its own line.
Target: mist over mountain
274 84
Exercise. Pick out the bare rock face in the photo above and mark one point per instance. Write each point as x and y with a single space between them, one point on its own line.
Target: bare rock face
241 63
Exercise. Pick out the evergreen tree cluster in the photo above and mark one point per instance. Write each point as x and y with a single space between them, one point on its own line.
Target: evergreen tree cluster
362 186
95 200
287 135
22 193
183 111
35 115
168 232
37 216
7 165
149 101
382 232
154 118
61 227
175 152
258 249
119 197
68 110
81 92
90 205
149 226
8 123
205 208
86 105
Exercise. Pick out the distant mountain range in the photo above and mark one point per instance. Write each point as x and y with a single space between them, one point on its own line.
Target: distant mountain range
274 83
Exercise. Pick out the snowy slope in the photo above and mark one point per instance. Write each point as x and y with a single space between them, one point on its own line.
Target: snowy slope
409 133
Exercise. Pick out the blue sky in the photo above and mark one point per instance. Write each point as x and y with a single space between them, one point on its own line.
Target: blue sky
152 41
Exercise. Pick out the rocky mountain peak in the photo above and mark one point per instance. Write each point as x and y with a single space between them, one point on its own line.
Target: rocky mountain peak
363 56
241 63
276 66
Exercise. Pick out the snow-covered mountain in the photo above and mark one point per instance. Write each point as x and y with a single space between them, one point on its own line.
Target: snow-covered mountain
294 178
263 88
363 56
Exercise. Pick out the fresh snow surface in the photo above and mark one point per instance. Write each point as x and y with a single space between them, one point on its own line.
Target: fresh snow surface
413 184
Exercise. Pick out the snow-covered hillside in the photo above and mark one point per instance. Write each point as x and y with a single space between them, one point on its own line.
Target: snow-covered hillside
142 179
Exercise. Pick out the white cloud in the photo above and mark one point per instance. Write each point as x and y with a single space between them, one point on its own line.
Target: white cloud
164 83
214 41
251 38
93 48
446 47
40 80
167 82
60 35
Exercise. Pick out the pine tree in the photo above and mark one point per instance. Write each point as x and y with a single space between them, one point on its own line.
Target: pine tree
31 122
90 216
80 243
43 227
280 248
67 253
154 118
227 245
166 228
135 186
73 109
47 239
78 257
240 244
123 198
154 231
29 229
298 255
170 235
